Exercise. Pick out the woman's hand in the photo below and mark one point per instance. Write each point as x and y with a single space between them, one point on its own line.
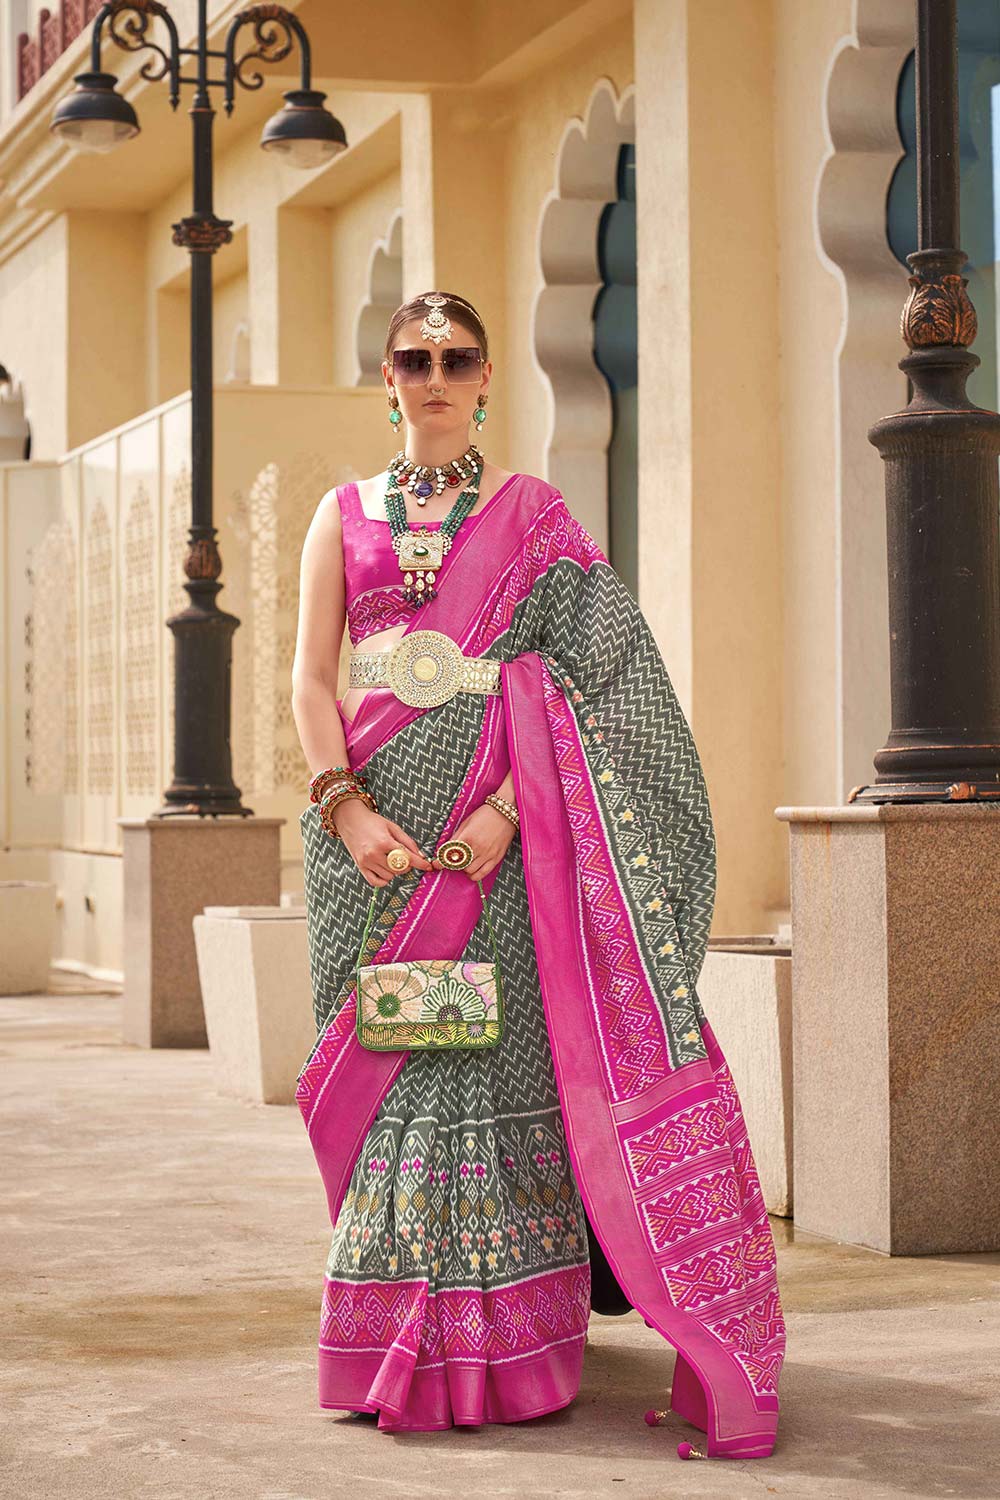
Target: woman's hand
369 837
490 833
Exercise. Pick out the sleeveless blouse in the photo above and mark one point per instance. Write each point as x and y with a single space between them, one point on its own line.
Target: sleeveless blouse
372 578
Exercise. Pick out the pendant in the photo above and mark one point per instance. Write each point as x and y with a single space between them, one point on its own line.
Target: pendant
421 549
420 555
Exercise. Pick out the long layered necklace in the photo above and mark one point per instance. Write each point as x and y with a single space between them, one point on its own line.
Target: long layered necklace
420 553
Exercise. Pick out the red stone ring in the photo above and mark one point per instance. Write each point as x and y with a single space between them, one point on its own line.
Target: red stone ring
454 854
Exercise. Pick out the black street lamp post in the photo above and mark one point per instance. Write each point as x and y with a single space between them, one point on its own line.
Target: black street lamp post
942 490
96 118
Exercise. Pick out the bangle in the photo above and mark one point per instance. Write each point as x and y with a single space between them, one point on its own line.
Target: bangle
323 780
334 799
502 805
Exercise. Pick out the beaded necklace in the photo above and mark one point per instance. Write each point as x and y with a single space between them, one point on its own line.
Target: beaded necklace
420 553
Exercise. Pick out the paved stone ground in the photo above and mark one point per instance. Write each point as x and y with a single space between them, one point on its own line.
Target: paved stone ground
162 1258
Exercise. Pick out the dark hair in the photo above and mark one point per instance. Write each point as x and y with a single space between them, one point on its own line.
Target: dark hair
455 307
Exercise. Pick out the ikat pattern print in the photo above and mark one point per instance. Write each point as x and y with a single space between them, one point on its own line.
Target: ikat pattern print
684 1137
377 609
474 1202
628 947
459 1325
707 1224
700 1199
555 537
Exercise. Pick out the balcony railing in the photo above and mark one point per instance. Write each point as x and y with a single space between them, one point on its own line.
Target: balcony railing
53 34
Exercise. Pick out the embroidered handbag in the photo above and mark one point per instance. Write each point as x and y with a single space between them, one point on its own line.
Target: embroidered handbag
428 1003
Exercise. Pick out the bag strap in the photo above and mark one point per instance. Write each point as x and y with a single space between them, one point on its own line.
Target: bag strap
371 918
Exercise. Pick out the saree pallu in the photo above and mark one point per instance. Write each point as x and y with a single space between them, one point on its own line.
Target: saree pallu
460 1185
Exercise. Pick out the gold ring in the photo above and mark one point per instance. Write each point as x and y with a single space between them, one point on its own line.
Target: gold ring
398 859
454 854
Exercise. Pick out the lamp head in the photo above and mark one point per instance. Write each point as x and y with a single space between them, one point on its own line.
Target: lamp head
303 132
94 117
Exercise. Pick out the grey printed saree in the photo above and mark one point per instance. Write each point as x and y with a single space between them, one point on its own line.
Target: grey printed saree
460 1185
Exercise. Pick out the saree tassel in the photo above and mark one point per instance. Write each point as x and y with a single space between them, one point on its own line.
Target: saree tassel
684 1450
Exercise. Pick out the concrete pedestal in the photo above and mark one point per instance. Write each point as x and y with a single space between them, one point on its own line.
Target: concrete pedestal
257 992
174 868
28 928
745 987
896 1024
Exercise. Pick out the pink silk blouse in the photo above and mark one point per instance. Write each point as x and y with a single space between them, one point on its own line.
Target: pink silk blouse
372 577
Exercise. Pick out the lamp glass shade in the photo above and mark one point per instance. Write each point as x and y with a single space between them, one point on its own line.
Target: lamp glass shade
303 133
94 117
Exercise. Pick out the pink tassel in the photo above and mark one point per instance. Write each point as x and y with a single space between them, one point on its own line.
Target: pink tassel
684 1450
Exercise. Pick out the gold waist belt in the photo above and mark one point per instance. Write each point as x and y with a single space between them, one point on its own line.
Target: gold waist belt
424 668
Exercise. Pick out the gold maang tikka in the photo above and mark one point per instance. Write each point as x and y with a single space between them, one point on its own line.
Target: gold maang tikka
436 325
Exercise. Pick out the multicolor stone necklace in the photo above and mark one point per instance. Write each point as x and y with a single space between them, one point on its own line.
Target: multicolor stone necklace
421 553
424 479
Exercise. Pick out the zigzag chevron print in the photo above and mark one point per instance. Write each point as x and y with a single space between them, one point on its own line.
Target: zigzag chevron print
463 1193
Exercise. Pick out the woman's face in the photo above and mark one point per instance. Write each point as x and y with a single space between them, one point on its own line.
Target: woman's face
461 397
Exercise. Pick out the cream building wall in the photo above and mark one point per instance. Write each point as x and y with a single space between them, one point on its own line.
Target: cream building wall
460 176
34 292
809 303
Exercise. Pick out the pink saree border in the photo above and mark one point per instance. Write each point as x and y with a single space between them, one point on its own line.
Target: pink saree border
715 1299
454 1354
438 919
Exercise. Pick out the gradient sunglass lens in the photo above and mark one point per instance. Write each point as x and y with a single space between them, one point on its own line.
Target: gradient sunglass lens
412 366
461 364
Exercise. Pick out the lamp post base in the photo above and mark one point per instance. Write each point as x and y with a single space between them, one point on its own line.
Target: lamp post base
203 663
926 791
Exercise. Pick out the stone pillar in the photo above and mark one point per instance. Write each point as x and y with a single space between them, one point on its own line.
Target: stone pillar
173 868
696 409
896 1024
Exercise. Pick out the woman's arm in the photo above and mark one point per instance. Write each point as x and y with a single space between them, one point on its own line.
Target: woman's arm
367 836
316 664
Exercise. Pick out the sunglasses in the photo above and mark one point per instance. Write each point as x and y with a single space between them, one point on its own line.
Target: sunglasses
413 366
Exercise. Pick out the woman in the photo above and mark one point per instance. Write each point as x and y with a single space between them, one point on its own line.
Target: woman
472 1193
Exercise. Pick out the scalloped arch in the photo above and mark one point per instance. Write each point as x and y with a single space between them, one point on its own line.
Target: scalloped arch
384 280
850 219
562 318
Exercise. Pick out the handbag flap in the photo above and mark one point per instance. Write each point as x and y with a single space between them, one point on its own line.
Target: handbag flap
427 990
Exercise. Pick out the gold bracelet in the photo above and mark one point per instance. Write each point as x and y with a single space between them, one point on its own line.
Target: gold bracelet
323 780
502 805
328 804
333 798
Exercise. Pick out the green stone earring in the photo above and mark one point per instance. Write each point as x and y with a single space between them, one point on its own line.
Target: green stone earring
479 415
395 415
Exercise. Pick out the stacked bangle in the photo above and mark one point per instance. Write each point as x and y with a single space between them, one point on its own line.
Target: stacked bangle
339 792
323 780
